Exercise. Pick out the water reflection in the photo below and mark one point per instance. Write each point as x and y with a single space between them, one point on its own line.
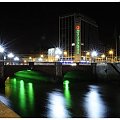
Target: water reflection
78 100
56 106
94 105
31 96
67 93
22 97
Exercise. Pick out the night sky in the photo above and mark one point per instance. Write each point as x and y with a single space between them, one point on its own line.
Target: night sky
33 27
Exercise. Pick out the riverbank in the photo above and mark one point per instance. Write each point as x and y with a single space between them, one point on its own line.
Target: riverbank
6 112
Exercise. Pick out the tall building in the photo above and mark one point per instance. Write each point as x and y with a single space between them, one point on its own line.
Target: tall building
77 35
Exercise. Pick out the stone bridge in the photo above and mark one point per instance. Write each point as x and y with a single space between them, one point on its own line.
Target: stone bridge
52 69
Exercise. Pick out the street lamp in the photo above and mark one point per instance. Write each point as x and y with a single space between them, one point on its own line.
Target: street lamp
111 53
87 54
1 49
10 55
94 54
103 56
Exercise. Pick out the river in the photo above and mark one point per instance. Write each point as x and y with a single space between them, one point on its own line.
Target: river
61 100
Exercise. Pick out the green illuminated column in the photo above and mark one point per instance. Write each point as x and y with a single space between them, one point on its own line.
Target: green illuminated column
77 43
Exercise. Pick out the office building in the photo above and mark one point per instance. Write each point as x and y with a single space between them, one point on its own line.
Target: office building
78 34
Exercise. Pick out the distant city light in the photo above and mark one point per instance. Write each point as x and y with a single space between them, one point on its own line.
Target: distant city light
103 55
1 49
10 55
40 59
94 54
57 56
58 51
111 52
41 56
16 59
73 44
65 53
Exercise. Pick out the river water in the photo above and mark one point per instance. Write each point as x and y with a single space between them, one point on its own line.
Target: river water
63 100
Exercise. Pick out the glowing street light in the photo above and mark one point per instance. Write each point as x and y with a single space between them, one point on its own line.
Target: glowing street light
41 56
111 53
94 54
103 56
16 59
10 55
87 54
1 49
65 53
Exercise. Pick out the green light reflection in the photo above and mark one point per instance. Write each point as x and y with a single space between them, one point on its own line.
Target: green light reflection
31 96
67 93
14 81
22 97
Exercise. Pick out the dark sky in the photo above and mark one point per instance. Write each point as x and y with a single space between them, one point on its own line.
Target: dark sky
32 27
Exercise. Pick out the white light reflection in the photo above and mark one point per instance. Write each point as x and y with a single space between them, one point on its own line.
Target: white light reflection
5 100
94 104
56 106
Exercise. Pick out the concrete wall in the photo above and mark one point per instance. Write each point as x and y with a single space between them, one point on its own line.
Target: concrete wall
108 71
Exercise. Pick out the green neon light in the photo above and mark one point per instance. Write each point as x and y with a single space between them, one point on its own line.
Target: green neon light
67 93
78 42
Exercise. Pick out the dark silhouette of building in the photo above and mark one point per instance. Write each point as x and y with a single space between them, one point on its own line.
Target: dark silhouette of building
80 30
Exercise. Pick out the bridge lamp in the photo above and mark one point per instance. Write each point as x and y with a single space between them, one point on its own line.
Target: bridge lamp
10 55
111 53
94 54
16 59
103 56
1 49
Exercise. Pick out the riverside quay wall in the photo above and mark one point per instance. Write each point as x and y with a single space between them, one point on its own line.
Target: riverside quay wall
108 71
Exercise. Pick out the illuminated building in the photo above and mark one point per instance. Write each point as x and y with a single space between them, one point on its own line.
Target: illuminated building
54 54
82 31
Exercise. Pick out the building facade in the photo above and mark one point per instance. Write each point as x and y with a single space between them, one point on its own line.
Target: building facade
78 34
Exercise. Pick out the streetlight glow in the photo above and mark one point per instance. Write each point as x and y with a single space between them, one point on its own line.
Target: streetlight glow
111 53
1 49
58 51
10 55
16 59
94 54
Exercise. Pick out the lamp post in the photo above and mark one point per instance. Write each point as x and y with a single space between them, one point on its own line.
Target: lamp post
111 53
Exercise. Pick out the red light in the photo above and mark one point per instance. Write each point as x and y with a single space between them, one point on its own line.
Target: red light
77 27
